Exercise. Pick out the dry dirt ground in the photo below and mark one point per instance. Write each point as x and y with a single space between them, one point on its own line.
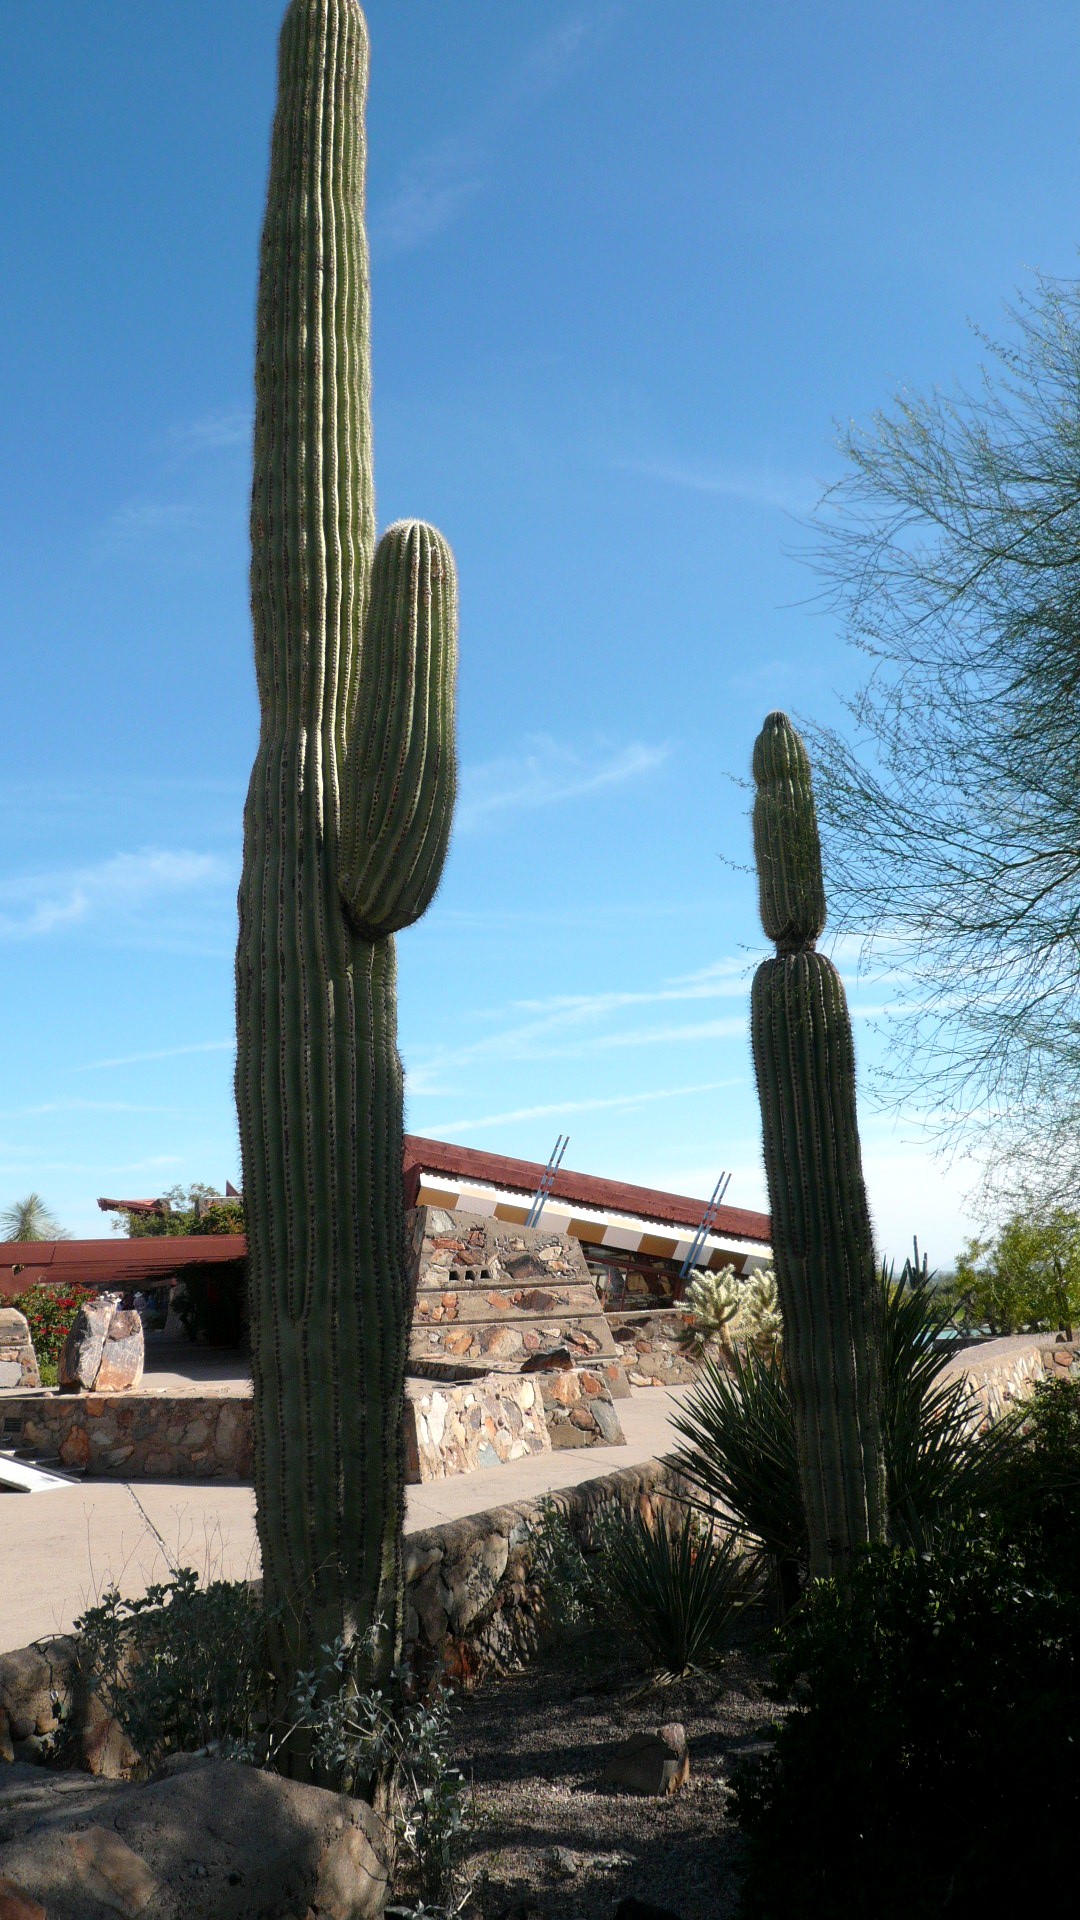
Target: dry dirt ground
550 1842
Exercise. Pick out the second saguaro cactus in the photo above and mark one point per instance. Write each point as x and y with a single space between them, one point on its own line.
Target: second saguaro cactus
346 828
822 1241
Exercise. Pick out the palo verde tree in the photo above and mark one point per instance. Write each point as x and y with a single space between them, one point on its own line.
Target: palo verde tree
951 814
345 832
1027 1275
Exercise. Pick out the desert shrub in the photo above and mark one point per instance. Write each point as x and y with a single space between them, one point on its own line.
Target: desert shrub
181 1667
937 1732
185 1667
1027 1275
49 1313
712 1301
675 1587
395 1744
724 1307
1037 1495
670 1589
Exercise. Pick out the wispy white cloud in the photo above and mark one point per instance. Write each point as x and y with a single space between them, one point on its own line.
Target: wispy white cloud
546 773
223 427
438 184
139 520
558 52
157 1053
725 979
579 1026
431 191
39 904
754 486
626 1102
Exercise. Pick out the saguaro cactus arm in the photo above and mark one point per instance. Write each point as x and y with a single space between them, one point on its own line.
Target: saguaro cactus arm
823 1250
400 771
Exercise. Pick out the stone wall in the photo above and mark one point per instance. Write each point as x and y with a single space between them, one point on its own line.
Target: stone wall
481 1423
1001 1372
18 1361
449 1428
136 1436
650 1347
579 1408
471 1601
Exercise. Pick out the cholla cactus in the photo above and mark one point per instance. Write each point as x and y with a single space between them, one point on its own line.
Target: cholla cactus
712 1300
760 1318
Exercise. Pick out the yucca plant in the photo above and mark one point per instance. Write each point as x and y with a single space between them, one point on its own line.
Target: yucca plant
740 1444
676 1586
740 1452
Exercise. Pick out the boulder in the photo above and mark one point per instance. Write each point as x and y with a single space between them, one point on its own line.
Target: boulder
212 1841
649 1763
18 1361
14 1904
104 1349
631 1909
36 1684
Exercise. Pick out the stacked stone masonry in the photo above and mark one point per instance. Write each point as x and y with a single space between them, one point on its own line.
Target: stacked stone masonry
481 1423
18 1361
651 1345
451 1428
500 1296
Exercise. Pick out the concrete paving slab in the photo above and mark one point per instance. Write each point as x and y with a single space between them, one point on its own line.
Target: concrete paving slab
57 1556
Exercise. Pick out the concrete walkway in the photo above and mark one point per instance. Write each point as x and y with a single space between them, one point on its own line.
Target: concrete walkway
60 1550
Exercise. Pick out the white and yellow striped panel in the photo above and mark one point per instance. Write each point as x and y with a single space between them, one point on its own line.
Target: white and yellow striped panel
592 1227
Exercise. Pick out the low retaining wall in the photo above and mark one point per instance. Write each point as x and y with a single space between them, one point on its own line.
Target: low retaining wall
136 1436
449 1428
470 1604
470 1598
651 1350
1000 1372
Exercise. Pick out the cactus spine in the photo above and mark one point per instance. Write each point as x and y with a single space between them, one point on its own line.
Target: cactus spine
822 1243
346 827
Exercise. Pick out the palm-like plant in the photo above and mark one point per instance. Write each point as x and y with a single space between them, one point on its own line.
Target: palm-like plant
31 1219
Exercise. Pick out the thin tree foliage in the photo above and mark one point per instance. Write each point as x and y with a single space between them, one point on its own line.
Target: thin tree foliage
951 814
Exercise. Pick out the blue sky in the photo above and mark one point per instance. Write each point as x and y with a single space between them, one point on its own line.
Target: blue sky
631 265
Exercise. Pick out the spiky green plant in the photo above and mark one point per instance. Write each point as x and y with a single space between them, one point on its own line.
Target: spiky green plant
822 1242
346 827
31 1219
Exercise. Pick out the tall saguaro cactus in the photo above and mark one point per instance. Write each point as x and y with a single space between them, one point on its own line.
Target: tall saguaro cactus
822 1244
345 832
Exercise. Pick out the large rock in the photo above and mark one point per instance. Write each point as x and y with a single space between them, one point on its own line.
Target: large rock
649 1763
36 1686
18 1361
212 1841
104 1350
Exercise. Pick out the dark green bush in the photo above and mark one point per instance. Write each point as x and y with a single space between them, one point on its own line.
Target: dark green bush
934 1743
183 1666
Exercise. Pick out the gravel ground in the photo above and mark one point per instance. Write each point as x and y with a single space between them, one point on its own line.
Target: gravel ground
550 1843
